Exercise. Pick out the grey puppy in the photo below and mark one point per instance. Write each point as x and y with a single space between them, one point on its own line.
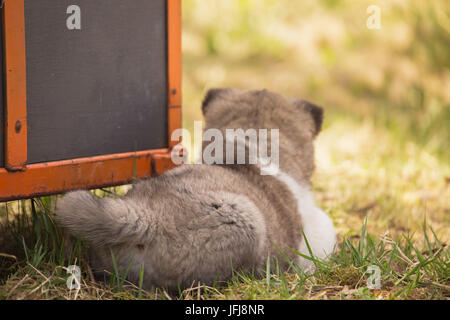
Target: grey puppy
202 222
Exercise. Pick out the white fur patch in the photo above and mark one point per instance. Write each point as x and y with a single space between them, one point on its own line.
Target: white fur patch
317 225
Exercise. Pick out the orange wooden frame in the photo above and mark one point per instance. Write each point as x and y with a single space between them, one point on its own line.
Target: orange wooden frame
15 85
21 180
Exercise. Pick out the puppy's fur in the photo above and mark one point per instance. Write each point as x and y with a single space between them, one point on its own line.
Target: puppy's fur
201 222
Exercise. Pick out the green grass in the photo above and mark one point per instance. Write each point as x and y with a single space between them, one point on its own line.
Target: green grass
382 156
408 271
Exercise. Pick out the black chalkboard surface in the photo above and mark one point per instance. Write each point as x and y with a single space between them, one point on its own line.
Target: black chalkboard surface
98 89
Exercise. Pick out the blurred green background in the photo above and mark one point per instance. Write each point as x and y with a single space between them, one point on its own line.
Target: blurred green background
384 149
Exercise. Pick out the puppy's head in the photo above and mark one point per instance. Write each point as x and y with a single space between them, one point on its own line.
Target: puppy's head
298 121
261 108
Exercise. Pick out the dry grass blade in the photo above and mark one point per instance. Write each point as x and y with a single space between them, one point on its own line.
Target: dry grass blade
18 284
8 256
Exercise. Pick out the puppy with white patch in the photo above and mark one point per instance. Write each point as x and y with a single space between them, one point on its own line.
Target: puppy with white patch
202 222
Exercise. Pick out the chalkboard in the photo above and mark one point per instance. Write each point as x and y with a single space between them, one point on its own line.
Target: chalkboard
99 87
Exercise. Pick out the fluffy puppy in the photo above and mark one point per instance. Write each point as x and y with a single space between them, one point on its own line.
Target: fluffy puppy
202 222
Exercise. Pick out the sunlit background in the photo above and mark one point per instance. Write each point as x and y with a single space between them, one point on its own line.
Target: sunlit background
384 151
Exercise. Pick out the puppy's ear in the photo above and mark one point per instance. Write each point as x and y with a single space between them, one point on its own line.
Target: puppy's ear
315 111
317 115
210 96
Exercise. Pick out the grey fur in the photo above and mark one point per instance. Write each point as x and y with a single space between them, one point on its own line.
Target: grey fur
200 222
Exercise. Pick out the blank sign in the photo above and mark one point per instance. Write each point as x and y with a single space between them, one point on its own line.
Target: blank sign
97 84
